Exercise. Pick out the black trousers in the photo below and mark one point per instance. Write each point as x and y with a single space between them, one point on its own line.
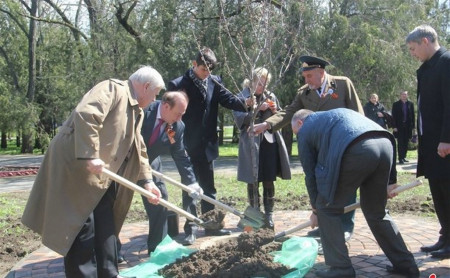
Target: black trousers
440 191
402 140
365 165
204 172
94 252
157 214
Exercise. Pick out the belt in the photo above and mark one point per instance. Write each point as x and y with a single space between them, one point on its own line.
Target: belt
368 135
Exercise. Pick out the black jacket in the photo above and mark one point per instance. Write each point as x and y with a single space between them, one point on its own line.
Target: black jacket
201 115
433 94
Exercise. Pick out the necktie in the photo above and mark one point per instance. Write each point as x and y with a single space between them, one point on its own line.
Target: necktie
156 132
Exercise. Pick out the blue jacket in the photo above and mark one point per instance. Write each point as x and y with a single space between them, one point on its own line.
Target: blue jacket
322 141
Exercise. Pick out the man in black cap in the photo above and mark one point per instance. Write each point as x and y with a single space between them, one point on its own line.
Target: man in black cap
321 92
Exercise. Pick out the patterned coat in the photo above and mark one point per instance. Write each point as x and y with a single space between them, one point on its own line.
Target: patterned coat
106 124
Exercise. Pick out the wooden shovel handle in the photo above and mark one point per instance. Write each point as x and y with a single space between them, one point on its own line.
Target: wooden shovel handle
346 209
202 196
148 194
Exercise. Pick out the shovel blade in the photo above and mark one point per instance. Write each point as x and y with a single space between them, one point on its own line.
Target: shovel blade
252 218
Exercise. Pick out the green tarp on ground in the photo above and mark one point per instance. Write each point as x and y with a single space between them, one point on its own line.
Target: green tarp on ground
296 252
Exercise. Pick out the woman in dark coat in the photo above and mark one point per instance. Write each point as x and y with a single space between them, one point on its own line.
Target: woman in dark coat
271 155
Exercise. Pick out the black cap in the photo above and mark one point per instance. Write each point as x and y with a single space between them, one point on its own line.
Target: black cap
311 62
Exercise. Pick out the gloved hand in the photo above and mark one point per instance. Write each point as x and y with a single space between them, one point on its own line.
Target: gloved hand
196 191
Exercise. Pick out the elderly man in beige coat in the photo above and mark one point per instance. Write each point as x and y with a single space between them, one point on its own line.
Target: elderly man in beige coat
78 211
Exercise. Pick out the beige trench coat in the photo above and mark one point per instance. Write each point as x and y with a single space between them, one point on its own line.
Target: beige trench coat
104 126
344 97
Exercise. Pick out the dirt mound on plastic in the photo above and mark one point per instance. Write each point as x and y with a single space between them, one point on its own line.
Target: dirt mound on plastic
248 256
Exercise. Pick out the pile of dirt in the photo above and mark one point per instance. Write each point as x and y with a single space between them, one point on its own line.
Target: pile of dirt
248 256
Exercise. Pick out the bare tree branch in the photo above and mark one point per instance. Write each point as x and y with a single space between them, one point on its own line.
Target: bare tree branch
16 20
123 20
75 31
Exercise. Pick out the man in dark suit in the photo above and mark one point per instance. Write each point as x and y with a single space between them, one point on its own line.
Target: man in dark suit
205 92
162 131
403 115
433 125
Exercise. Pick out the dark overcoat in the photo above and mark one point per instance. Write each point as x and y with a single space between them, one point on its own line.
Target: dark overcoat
433 121
200 118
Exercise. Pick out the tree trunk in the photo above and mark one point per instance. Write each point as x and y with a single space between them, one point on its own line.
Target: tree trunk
4 143
27 133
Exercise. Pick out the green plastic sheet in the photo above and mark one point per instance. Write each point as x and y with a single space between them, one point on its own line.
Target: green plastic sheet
296 252
168 251
299 253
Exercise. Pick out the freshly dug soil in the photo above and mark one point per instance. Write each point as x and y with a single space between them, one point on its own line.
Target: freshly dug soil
248 256
214 219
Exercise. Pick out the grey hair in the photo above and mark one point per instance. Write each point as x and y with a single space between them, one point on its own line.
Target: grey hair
301 115
148 74
420 32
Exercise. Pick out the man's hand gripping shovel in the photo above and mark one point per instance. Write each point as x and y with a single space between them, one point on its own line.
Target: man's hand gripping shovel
346 209
207 225
254 220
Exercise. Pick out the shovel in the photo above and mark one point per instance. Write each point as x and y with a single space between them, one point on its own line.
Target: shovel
346 209
252 220
207 225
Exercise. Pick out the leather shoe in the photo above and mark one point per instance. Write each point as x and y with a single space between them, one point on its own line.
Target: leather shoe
189 239
401 161
410 272
438 245
404 160
337 272
314 233
120 259
442 253
220 232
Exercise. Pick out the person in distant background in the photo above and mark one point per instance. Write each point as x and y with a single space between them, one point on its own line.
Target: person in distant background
404 123
374 110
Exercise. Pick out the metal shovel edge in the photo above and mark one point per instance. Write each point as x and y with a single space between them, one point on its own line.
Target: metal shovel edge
251 217
346 209
164 203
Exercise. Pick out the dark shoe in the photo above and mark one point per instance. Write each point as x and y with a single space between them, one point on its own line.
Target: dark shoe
438 245
268 221
120 259
347 236
337 272
314 233
410 272
442 253
189 239
401 161
404 160
221 232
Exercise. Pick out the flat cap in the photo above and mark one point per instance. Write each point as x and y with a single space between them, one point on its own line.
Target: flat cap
311 62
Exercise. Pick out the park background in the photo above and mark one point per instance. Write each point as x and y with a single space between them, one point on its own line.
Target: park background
54 51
